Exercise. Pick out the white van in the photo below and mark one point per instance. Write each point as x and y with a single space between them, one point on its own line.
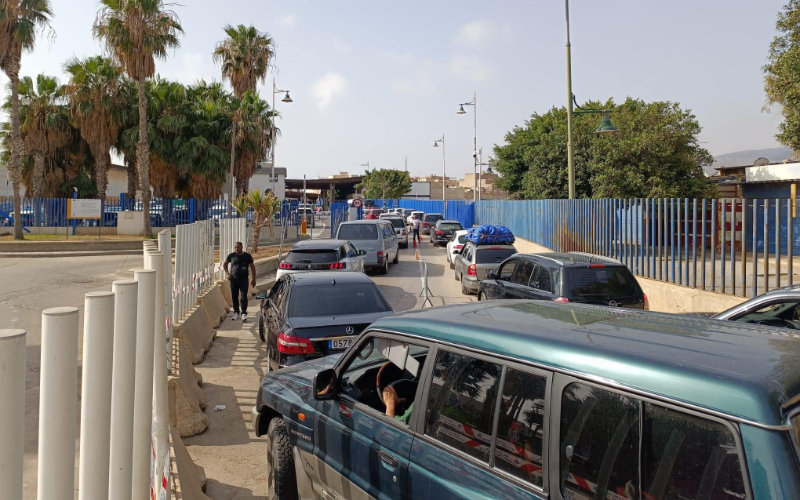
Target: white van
376 237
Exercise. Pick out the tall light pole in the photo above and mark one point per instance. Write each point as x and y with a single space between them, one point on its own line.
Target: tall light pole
444 176
461 111
286 98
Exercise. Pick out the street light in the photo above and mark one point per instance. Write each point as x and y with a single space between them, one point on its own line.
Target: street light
461 111
605 125
286 98
444 178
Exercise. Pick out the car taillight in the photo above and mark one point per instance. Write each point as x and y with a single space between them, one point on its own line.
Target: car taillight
426 224
458 247
380 253
472 270
294 345
440 232
646 303
403 233
337 265
284 265
563 300
593 266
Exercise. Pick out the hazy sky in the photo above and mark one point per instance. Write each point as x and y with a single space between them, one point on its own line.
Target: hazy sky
378 81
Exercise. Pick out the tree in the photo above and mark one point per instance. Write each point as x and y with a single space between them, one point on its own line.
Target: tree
95 103
19 22
135 32
245 57
264 208
782 73
655 153
252 137
385 183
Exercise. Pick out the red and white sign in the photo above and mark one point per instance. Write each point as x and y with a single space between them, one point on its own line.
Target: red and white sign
357 203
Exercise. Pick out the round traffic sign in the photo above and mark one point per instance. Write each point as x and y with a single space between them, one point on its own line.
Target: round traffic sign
357 203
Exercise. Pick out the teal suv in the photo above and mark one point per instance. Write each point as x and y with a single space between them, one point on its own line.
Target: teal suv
534 399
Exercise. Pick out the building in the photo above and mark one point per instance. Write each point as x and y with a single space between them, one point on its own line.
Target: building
262 181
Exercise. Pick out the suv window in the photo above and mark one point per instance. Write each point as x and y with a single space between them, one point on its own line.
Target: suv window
519 444
507 269
603 440
541 278
492 255
461 403
357 232
599 282
312 256
522 273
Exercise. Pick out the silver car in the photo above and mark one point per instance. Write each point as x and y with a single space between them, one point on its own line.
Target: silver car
474 261
400 228
376 237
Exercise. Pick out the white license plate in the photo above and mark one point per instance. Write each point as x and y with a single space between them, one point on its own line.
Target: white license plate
342 343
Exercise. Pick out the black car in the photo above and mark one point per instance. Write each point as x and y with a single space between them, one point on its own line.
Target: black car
443 231
428 221
312 314
564 277
322 255
779 307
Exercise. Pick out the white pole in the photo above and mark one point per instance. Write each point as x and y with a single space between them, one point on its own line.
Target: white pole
143 387
58 402
12 411
122 389
160 415
165 247
98 352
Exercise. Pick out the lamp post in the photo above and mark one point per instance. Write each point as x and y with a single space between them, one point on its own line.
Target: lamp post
444 178
605 125
286 98
474 104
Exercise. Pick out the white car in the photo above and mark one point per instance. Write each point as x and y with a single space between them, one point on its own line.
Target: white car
399 228
322 255
455 245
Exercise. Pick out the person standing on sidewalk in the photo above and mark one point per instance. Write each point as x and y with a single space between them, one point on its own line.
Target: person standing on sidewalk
236 266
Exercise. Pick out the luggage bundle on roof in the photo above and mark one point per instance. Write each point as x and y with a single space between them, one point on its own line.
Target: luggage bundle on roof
490 235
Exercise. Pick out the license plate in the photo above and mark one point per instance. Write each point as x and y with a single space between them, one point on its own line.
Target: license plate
342 343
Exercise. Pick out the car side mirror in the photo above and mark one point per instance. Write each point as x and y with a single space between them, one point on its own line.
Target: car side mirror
491 274
325 385
261 295
362 252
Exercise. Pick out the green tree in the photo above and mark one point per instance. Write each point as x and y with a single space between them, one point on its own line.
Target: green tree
135 33
782 73
385 183
19 22
655 153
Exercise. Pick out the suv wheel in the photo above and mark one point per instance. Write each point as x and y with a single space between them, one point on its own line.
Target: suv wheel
385 268
480 297
396 257
281 481
261 328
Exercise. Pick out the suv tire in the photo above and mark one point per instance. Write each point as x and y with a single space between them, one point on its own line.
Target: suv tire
385 268
261 333
281 480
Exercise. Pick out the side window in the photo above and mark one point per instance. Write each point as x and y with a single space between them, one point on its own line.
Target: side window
461 403
519 433
280 296
682 455
507 270
522 274
541 279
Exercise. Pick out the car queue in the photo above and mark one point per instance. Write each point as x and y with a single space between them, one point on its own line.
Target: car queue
580 396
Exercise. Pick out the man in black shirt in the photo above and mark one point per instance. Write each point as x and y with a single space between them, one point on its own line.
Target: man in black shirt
237 265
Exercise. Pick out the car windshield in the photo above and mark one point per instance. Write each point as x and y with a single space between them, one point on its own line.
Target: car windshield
336 300
432 218
398 223
357 232
450 226
491 255
312 256
603 282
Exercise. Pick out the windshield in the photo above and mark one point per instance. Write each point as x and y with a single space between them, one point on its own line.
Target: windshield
336 300
493 255
397 223
312 256
357 232
602 282
451 226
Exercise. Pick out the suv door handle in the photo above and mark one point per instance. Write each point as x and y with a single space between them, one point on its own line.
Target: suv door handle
388 459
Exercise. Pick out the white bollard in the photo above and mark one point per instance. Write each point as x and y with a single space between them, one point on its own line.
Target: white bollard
165 247
155 261
143 387
58 402
12 411
122 389
98 352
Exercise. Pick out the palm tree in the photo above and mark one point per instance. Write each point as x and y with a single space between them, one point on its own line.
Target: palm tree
254 121
19 22
135 32
245 58
44 123
94 95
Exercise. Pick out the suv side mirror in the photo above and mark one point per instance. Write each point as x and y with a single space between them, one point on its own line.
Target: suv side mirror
491 274
325 386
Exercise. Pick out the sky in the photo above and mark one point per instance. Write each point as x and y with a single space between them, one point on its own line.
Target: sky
376 82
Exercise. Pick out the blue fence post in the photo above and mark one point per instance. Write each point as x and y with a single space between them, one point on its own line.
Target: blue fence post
74 222
191 210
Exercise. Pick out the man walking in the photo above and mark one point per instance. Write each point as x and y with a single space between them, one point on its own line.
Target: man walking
415 223
236 266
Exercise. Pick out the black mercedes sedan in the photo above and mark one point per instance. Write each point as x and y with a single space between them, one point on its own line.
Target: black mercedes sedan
308 315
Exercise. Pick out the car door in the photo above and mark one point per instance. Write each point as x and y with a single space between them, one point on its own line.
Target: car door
542 284
517 284
275 316
498 287
365 452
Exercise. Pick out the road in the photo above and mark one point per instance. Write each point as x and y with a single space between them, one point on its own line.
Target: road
27 287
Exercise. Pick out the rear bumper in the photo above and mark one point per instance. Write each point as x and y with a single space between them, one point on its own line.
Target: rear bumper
471 282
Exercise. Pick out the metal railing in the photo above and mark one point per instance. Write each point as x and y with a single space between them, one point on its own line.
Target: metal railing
741 247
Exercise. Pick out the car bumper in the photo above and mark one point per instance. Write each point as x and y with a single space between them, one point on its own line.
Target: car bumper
471 283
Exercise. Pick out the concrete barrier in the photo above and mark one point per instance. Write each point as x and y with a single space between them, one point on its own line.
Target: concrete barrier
214 306
191 477
186 398
197 333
